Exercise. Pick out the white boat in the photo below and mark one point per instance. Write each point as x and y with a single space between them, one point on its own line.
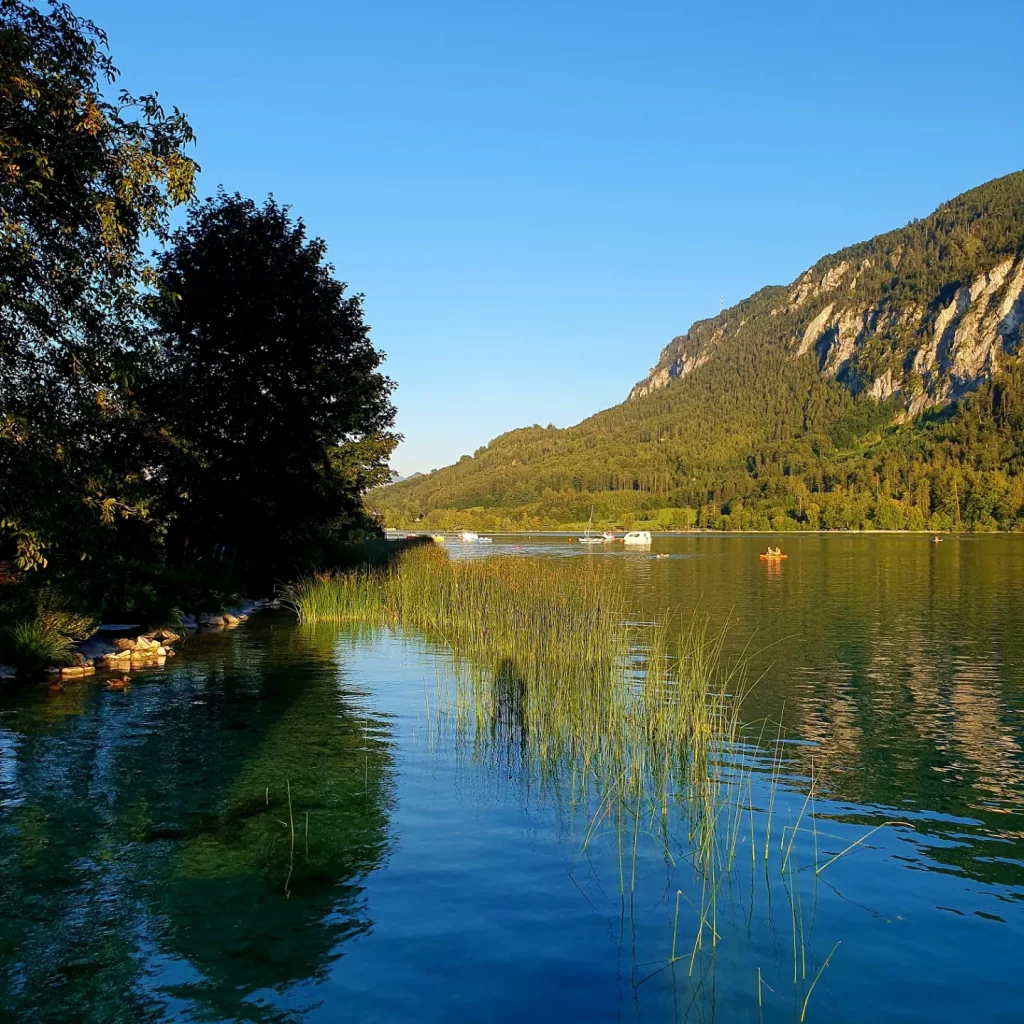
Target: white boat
639 538
586 538
607 537
468 537
485 540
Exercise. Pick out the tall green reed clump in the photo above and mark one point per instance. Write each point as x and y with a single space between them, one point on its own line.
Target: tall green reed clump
548 651
637 724
553 632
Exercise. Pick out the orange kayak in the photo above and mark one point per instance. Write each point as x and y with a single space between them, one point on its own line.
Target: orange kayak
772 558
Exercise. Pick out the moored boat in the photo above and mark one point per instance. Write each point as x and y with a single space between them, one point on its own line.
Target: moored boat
586 538
639 538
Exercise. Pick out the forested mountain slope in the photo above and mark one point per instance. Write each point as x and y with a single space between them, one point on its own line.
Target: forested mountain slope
881 389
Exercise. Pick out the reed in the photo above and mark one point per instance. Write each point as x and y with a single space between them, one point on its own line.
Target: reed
637 724
553 666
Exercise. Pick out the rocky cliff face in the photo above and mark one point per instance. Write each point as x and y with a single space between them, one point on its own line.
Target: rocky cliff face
924 314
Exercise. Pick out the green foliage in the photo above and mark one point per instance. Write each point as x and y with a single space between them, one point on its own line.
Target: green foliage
83 180
38 631
34 645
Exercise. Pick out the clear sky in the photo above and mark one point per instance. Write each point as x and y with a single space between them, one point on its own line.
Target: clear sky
536 197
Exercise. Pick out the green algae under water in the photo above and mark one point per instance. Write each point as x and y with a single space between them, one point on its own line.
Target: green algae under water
297 825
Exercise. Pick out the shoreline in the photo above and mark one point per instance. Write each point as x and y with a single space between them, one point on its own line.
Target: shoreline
118 647
574 531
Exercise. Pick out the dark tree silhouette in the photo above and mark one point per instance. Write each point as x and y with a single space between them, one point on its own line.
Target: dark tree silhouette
268 383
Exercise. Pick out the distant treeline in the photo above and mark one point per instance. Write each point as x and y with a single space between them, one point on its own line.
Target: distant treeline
960 469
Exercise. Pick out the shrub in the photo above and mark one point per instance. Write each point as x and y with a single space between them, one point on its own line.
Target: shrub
34 645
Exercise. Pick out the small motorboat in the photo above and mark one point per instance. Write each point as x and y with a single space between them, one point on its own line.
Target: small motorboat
638 538
485 540
607 537
766 557
468 537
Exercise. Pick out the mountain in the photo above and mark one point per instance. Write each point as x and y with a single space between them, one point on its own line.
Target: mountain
925 313
881 389
397 478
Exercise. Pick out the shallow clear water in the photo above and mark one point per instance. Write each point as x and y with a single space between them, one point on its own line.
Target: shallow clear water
151 870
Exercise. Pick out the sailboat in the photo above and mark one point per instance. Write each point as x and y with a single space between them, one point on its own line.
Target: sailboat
586 538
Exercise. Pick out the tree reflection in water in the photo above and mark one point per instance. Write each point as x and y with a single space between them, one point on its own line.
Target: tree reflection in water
146 854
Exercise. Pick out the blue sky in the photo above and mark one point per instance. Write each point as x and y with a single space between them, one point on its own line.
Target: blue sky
536 197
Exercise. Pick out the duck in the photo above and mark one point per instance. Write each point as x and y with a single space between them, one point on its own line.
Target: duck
120 683
56 687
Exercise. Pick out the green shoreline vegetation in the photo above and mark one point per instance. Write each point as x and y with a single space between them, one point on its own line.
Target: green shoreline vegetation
958 471
175 428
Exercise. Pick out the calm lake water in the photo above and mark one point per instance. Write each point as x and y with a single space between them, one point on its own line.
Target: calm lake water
287 825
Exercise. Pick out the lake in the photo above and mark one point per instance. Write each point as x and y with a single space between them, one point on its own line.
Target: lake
291 824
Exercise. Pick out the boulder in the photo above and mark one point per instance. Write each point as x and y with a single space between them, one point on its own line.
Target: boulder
124 644
188 622
94 649
75 671
230 620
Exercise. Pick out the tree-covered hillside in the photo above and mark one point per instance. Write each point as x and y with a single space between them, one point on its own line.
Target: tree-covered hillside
883 389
